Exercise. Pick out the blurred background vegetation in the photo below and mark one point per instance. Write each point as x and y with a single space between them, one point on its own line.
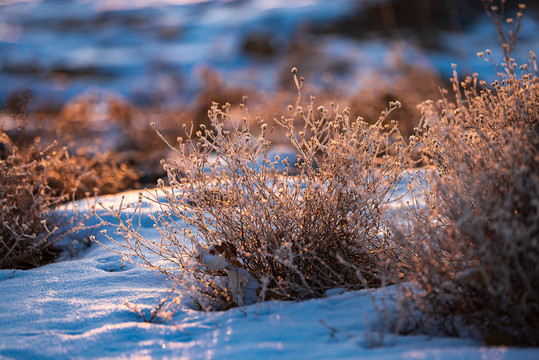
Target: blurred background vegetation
93 74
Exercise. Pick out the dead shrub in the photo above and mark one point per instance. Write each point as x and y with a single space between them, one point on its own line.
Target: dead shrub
84 173
34 180
239 225
29 223
475 233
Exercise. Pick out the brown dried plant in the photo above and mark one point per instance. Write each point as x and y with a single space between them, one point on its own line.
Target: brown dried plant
82 173
475 231
297 226
34 180
30 225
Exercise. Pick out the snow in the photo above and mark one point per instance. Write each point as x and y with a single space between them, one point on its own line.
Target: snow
74 308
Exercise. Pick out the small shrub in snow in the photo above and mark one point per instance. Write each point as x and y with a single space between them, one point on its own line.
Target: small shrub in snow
240 224
29 226
476 240
34 180
78 174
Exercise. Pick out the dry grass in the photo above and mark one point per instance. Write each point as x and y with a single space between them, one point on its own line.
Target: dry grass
86 174
289 228
35 178
475 234
29 225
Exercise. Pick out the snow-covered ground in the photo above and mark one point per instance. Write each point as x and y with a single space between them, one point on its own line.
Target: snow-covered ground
74 308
